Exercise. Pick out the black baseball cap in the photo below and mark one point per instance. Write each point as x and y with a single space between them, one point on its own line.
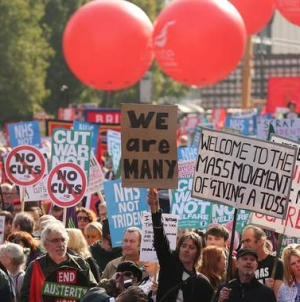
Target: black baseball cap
246 251
129 266
97 294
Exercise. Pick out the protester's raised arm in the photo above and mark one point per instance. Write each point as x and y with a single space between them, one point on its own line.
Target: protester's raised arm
153 200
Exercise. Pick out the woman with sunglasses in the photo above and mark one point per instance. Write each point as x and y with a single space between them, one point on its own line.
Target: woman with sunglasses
84 217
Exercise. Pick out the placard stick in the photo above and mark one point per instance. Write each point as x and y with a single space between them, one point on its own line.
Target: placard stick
229 266
23 199
65 217
278 247
155 272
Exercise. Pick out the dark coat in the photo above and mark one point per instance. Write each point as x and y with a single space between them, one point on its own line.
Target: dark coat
195 289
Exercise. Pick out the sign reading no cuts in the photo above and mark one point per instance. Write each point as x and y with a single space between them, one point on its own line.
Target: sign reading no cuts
66 184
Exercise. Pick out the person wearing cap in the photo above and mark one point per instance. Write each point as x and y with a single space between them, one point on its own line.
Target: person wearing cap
245 287
97 294
178 279
255 238
128 273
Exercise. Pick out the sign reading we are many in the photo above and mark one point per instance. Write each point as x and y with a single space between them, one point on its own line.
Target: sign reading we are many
244 173
149 150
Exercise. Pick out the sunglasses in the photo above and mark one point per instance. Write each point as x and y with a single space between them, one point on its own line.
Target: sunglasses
57 240
83 218
127 274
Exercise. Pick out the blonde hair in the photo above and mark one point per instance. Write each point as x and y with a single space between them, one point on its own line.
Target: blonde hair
288 252
93 228
78 243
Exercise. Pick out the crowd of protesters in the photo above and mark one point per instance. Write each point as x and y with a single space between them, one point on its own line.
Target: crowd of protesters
36 245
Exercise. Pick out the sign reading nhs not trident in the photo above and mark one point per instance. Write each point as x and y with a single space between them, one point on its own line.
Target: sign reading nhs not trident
244 172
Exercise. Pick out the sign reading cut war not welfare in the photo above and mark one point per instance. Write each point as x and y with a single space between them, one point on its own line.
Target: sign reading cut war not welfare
149 150
243 172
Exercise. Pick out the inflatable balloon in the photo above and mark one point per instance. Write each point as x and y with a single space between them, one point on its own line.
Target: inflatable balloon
290 10
255 13
107 44
199 42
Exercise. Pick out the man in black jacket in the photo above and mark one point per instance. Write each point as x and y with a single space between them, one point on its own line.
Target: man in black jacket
245 288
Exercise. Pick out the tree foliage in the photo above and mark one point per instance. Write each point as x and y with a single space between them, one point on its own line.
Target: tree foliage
24 57
33 69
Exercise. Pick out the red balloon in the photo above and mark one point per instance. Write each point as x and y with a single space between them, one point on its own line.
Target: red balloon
199 42
290 10
255 13
108 44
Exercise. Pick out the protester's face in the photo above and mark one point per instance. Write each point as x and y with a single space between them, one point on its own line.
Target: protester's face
295 265
215 241
187 252
249 241
7 197
150 268
56 245
16 209
131 244
82 220
246 265
92 237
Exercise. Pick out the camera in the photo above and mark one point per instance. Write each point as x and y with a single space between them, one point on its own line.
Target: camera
127 283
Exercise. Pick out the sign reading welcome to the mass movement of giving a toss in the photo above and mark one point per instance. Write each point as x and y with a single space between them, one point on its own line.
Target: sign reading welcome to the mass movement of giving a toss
244 172
149 149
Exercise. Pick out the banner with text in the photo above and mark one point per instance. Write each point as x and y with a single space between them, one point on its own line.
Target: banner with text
24 133
170 222
289 226
70 146
244 172
149 148
125 207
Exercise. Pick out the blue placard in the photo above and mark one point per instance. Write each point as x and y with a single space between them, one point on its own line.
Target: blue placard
24 133
125 207
241 124
94 128
187 153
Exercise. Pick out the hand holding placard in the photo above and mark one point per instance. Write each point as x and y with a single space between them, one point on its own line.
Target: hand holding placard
153 200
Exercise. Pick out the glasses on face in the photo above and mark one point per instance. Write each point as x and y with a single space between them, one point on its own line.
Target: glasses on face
57 240
83 218
127 274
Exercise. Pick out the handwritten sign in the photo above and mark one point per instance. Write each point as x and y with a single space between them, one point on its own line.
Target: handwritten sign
149 150
170 222
244 172
291 224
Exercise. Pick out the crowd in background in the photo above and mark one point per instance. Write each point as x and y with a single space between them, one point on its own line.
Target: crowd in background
203 267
